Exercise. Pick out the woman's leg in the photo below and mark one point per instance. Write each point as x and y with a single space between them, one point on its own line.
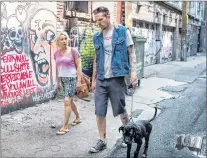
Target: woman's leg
67 103
67 113
75 109
73 105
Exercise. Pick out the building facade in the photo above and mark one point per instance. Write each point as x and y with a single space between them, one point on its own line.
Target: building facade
161 24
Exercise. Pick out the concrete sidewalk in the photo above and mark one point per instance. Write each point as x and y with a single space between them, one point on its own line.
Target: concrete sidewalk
27 133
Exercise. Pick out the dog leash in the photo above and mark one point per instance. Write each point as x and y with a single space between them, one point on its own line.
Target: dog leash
132 89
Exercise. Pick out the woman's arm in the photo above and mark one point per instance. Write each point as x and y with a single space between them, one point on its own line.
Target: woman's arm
79 69
78 65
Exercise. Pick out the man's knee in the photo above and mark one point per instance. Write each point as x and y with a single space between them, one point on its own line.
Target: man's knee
100 117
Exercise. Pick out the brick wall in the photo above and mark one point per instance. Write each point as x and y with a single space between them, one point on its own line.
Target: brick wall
115 10
118 17
61 22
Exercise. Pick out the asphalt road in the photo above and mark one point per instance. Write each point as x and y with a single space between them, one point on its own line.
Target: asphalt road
185 114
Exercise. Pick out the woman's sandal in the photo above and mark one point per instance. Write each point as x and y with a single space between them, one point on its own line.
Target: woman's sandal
76 121
62 132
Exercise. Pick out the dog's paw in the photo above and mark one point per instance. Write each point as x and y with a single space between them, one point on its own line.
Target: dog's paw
144 156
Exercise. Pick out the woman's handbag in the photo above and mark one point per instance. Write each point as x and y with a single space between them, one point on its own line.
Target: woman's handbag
83 92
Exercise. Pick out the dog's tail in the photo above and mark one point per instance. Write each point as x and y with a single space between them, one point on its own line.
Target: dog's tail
154 115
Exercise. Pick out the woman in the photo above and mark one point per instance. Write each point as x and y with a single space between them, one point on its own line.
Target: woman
68 72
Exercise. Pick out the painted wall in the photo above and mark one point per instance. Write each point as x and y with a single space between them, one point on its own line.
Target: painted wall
146 14
193 41
167 39
27 64
203 36
150 49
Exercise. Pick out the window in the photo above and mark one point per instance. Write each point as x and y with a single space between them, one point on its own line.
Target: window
157 14
146 25
79 6
164 18
199 6
191 4
152 27
134 23
170 18
140 24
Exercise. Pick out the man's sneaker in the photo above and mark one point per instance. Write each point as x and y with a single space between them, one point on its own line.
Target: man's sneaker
123 145
100 145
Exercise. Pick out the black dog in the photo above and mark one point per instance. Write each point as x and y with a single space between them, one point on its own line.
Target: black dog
136 131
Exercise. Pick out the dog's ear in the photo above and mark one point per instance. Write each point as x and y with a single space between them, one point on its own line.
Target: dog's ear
121 128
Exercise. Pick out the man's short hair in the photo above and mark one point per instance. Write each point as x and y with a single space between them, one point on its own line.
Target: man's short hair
103 10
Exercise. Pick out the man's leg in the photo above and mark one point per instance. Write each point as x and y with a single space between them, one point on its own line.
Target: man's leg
101 101
117 97
101 124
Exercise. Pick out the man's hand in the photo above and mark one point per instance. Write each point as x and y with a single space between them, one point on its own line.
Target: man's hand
133 80
93 86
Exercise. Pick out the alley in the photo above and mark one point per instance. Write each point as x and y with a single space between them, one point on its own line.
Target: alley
179 93
170 46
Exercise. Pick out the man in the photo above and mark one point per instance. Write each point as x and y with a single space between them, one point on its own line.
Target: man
115 56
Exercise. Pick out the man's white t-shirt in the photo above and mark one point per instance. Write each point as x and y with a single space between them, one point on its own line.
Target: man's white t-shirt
107 35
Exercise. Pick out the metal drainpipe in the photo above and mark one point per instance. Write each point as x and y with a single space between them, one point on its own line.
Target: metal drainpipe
160 36
206 26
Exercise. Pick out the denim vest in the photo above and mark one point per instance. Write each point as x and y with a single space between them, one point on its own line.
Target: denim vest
120 59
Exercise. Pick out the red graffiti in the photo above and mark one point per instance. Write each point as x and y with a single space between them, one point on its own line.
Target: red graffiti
16 79
14 58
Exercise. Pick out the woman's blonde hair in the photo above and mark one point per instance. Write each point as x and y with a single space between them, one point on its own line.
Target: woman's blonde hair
58 38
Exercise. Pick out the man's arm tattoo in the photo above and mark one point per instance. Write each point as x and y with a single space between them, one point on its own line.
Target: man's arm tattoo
132 58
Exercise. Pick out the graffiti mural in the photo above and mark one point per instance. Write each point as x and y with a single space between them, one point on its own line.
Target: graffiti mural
150 45
42 47
82 38
167 39
27 42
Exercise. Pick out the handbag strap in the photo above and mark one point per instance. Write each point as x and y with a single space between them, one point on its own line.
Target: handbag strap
73 55
83 76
